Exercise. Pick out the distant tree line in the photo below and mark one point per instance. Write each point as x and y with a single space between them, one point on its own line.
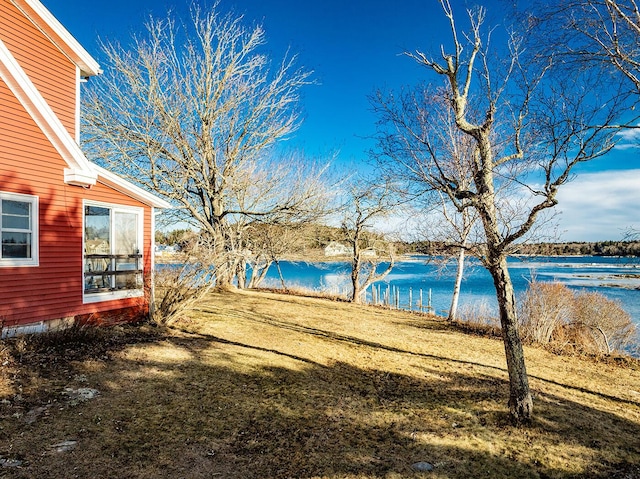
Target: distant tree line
574 248
311 239
600 248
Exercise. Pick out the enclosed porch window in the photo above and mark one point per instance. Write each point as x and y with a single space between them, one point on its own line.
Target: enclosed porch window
112 251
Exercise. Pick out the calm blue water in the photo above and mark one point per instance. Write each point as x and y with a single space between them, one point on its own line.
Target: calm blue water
616 278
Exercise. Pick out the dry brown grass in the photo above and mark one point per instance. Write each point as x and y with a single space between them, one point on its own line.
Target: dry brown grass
261 385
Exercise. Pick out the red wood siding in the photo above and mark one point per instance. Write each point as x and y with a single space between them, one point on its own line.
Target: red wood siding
53 74
30 165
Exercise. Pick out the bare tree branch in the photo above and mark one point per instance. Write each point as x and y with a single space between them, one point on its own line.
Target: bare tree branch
194 112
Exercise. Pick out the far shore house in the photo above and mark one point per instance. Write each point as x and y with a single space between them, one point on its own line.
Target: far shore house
77 240
336 249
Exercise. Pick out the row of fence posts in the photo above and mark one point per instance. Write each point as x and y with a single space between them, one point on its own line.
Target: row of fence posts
390 298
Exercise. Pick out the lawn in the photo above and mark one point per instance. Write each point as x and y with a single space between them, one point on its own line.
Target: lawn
261 385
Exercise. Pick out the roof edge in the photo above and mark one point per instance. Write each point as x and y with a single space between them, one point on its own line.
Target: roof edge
37 108
118 183
59 35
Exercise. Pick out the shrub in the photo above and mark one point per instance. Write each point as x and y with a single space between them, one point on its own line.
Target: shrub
604 322
544 308
553 315
178 288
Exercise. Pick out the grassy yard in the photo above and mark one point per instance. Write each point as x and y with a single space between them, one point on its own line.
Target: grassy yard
261 385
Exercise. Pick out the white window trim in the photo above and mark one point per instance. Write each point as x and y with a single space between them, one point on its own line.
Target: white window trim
35 236
113 295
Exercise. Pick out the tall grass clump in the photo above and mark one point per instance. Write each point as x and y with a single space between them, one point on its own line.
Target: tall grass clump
563 320
479 317
177 289
179 286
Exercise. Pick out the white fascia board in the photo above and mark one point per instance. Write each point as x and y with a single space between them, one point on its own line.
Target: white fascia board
80 169
118 183
60 36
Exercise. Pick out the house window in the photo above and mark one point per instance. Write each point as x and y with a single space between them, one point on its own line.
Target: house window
18 230
112 252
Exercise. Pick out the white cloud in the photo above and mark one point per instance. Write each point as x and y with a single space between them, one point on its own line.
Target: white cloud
629 138
599 206
593 207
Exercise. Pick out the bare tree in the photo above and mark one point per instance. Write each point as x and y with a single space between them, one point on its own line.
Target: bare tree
195 113
267 244
529 129
591 33
365 204
454 224
459 226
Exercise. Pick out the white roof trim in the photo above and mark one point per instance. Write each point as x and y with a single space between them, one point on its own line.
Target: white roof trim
118 183
36 106
60 36
81 172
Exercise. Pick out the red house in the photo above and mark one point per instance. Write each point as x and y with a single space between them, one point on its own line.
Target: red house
77 240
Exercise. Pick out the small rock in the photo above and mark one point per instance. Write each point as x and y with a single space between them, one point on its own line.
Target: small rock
422 466
10 462
79 395
34 413
65 446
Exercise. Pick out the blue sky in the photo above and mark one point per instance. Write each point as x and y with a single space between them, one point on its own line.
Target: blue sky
354 47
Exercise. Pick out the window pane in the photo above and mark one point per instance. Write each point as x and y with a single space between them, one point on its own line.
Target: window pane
16 214
97 240
97 230
112 246
126 242
10 207
126 233
16 245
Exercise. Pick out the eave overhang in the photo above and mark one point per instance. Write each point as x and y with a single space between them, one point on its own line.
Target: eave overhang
59 36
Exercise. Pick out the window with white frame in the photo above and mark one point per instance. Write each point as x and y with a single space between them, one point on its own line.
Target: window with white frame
18 229
112 250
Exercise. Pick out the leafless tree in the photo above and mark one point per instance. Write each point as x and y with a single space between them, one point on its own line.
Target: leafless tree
366 203
266 245
591 33
453 224
194 112
529 128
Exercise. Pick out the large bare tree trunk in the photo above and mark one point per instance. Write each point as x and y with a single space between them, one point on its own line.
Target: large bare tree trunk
355 270
520 402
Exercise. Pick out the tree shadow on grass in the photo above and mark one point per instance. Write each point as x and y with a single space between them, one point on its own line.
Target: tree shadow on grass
327 334
211 407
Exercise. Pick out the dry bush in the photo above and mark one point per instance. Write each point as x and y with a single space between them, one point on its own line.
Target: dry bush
544 308
553 315
178 288
180 285
603 321
479 317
